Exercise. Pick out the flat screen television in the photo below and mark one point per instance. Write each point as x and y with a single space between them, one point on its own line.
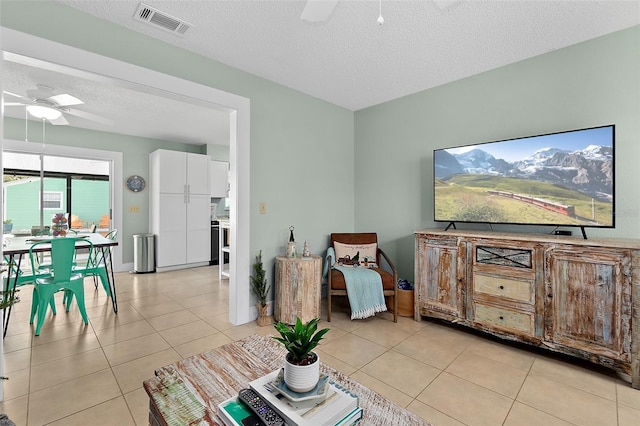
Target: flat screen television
556 179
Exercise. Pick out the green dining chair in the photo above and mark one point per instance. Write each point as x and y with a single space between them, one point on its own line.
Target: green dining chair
20 277
62 278
45 264
97 267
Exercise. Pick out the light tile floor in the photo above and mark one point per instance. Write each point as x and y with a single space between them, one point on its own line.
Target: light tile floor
77 375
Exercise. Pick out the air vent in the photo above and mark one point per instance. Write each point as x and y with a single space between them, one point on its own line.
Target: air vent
160 19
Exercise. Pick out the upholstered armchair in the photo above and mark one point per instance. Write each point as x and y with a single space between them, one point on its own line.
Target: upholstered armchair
336 285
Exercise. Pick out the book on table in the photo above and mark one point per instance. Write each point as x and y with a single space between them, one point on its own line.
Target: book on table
354 417
233 412
336 406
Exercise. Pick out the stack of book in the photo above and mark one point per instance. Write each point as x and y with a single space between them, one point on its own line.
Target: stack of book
330 404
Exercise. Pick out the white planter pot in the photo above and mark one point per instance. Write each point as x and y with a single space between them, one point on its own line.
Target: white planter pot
301 378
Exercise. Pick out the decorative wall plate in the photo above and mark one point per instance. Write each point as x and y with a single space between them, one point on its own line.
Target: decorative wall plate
136 183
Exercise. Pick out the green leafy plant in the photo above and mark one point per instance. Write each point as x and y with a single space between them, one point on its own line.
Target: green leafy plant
6 221
259 281
5 301
300 340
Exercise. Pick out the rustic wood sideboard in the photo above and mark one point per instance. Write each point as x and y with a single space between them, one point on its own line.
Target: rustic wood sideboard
573 296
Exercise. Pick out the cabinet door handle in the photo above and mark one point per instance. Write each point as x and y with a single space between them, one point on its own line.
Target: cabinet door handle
550 296
501 287
501 318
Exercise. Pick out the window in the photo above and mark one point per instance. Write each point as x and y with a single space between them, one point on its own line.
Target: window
52 201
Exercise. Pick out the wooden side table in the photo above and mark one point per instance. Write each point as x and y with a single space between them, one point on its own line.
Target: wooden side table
298 288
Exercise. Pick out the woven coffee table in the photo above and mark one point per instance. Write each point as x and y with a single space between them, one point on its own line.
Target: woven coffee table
188 391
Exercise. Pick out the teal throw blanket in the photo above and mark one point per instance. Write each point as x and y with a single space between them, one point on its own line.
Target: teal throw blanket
364 289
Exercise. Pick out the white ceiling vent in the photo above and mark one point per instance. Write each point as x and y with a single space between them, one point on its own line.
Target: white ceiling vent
160 19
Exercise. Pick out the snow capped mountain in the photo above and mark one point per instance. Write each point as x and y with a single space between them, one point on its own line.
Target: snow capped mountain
589 170
478 161
543 154
596 152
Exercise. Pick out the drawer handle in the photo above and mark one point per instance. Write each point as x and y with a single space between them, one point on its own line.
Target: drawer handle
501 317
501 287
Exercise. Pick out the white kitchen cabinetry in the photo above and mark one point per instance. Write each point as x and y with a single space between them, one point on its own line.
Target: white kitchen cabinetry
180 208
219 179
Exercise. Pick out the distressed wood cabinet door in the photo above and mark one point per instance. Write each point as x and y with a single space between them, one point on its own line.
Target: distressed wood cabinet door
440 276
588 301
298 288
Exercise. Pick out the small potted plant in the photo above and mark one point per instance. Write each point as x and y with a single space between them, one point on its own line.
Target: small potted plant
6 298
7 301
261 290
302 365
7 226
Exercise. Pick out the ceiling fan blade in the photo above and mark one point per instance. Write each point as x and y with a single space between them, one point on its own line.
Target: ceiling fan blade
443 4
318 10
90 116
12 104
13 95
65 99
60 121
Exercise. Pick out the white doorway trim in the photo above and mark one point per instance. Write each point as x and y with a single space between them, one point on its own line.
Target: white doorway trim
40 52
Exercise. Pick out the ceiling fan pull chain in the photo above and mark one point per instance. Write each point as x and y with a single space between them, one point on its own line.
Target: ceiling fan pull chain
380 20
43 135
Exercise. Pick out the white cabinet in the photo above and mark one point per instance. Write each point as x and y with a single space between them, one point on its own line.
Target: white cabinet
219 179
179 208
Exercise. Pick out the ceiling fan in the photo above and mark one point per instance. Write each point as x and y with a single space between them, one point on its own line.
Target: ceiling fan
42 103
321 10
318 10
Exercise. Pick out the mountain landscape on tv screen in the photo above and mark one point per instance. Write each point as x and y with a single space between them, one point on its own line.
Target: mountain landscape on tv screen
589 170
472 186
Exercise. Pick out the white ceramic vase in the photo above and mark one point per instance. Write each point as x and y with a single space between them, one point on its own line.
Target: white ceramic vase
301 378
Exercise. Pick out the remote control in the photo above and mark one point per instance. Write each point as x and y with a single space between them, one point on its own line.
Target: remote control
260 408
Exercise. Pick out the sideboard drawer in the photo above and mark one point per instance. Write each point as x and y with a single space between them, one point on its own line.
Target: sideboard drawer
498 317
521 290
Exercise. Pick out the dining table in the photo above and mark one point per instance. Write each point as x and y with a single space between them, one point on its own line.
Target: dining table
16 248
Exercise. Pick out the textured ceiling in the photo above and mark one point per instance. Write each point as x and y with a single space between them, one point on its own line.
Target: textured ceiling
353 62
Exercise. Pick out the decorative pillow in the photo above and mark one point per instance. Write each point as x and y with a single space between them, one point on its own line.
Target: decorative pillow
356 254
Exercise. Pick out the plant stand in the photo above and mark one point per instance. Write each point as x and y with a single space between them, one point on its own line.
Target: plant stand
297 290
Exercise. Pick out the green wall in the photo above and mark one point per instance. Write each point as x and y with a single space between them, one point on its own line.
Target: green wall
301 147
90 201
588 84
303 150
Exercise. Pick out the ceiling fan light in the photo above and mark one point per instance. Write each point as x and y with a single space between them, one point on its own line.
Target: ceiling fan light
43 112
